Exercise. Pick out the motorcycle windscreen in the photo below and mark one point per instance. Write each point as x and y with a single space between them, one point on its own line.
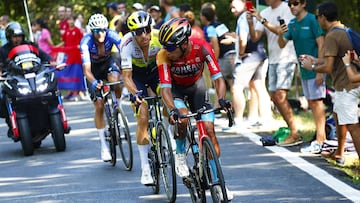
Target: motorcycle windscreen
24 57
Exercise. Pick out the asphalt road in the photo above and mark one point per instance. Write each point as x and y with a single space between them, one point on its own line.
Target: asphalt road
254 173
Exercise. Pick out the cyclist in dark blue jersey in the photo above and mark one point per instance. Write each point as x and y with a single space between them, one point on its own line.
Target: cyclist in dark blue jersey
98 65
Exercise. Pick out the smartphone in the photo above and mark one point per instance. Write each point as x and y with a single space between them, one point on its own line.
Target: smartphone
249 5
352 55
281 21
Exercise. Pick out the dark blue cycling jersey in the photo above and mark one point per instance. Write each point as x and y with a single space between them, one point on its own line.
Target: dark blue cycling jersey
89 49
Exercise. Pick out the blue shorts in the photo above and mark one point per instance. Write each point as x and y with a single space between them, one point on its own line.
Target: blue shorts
280 76
312 91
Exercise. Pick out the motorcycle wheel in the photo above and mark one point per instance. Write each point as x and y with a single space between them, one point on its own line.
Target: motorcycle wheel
25 136
57 130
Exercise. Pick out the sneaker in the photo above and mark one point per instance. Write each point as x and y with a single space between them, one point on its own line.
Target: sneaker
105 155
218 191
291 141
146 178
181 168
313 148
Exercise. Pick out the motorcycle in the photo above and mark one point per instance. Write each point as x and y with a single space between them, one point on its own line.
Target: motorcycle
33 102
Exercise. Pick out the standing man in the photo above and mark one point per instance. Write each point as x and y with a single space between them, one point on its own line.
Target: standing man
310 42
98 65
346 99
282 62
171 10
248 71
63 24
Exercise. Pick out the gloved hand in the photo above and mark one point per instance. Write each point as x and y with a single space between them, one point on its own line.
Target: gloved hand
224 104
137 95
94 84
175 114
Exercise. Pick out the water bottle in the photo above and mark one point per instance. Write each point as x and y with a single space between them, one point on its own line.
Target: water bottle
153 135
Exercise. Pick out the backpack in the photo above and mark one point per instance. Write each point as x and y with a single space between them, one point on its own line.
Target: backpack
354 38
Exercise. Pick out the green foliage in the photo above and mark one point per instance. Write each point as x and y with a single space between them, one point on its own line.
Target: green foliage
349 11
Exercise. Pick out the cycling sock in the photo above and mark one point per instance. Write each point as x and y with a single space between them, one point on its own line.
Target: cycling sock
119 101
213 168
143 152
101 133
180 146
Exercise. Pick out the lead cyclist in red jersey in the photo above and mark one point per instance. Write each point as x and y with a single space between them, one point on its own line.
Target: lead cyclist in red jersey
181 62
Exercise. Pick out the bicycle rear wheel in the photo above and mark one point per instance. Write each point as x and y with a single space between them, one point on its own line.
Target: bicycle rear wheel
166 162
213 174
112 145
124 139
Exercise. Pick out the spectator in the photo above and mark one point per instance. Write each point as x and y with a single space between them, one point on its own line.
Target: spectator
183 8
352 73
214 32
171 10
155 13
248 72
112 8
309 42
36 33
196 31
79 22
68 11
4 20
282 62
137 7
63 25
45 41
346 99
121 9
72 77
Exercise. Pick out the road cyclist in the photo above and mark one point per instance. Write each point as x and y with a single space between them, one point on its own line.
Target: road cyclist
181 62
118 133
98 67
138 63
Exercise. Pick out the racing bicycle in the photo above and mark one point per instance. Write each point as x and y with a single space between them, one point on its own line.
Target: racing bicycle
118 130
205 172
161 157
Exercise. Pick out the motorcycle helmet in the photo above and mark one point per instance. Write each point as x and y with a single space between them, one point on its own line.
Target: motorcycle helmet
174 32
13 29
139 19
98 21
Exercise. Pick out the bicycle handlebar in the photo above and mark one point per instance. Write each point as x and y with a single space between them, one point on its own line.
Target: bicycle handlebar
203 110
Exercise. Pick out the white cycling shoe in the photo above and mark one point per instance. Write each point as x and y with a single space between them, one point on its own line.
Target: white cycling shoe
105 155
146 178
181 167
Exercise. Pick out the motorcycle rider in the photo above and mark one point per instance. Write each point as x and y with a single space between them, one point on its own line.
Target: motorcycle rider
98 65
15 35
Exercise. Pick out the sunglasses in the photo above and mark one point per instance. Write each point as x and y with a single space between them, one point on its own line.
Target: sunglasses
295 3
140 31
170 48
97 31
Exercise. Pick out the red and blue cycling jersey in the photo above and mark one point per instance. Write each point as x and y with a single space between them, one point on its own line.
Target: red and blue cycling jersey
89 49
186 71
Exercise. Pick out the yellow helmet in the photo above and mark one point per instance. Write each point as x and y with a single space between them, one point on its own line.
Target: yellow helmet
174 31
139 19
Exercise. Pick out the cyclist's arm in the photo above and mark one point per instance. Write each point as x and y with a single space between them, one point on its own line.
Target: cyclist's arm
87 72
128 81
167 97
220 87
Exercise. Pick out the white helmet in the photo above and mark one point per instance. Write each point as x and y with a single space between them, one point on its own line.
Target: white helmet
98 21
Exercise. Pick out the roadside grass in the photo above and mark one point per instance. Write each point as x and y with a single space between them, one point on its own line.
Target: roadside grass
306 126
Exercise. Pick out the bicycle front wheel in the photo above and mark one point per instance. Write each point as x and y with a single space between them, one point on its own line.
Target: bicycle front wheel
167 162
212 171
124 139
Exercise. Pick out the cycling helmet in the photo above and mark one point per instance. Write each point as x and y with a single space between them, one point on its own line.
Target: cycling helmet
12 29
174 31
139 19
98 21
